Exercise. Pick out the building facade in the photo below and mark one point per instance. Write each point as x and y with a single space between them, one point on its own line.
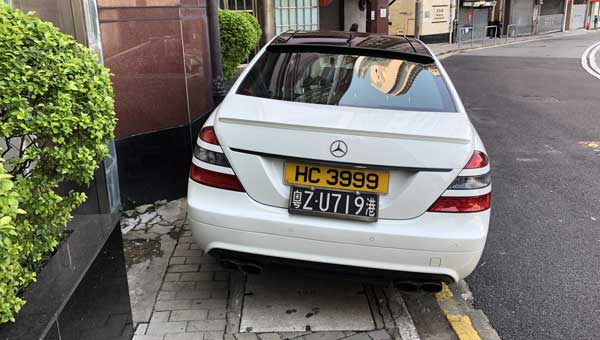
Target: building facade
452 20
159 54
79 18
576 14
436 23
165 60
277 16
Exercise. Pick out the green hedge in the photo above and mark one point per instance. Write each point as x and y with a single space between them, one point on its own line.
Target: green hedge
56 115
240 34
12 273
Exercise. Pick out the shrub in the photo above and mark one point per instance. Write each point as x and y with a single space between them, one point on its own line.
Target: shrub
240 33
56 115
12 273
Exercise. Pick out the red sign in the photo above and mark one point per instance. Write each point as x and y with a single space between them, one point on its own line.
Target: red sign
326 3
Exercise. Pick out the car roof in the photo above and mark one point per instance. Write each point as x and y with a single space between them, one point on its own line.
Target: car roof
354 40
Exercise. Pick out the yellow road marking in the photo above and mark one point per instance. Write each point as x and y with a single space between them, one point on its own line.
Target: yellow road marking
445 294
590 144
463 327
461 324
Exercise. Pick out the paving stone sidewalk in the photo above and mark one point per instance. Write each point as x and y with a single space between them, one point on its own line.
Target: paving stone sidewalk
192 301
200 300
150 234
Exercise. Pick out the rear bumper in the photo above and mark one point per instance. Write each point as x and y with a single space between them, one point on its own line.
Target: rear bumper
336 271
440 244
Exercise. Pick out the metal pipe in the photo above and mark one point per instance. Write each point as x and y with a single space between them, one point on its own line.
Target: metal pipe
508 31
564 18
451 22
432 287
417 32
243 266
267 20
486 31
228 264
250 268
472 37
407 286
218 88
460 35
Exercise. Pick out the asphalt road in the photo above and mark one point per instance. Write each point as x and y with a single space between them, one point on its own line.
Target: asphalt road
535 107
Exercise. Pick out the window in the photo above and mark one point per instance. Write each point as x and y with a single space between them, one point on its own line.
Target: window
247 6
348 80
59 12
296 15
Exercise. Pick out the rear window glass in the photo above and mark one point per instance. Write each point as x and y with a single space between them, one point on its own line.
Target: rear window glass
348 80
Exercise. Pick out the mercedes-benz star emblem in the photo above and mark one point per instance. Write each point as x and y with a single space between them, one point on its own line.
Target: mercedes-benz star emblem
338 149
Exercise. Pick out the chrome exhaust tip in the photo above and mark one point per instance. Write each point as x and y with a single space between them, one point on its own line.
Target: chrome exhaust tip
229 264
407 286
244 267
250 268
432 287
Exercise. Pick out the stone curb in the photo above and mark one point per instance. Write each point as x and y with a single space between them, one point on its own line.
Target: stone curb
456 301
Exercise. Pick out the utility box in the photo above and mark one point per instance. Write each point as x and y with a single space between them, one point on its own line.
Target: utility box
436 19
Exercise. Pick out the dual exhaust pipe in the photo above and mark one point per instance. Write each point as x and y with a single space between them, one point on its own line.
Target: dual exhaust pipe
415 286
245 267
248 267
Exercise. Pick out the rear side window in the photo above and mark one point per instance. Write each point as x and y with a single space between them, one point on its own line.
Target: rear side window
348 80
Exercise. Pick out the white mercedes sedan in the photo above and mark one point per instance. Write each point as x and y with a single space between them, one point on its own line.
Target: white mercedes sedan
347 152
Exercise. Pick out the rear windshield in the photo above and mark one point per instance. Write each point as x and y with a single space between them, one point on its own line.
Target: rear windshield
348 80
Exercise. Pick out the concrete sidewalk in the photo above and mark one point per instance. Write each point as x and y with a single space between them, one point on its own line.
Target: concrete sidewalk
445 49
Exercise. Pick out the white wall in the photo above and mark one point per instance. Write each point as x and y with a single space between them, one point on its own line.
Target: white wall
352 14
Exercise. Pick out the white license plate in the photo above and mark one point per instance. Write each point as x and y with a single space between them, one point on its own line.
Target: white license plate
333 203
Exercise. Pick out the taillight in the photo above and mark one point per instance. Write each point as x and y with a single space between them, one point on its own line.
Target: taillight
215 179
478 160
217 172
471 182
473 177
208 135
212 157
462 204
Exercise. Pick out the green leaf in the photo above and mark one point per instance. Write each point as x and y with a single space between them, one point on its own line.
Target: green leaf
57 111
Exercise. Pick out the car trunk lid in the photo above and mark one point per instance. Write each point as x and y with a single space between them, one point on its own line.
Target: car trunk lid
424 151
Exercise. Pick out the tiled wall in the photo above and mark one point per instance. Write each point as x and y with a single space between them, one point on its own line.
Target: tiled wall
158 51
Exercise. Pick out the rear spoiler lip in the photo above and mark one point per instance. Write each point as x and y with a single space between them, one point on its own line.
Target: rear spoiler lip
340 164
342 49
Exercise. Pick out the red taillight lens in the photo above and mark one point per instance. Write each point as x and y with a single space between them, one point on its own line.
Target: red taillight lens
462 204
215 179
478 160
208 135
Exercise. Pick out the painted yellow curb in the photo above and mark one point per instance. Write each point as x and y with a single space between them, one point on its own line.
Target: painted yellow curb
445 294
461 324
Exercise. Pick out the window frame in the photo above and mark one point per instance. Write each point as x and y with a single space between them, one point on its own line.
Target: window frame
452 102
291 10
